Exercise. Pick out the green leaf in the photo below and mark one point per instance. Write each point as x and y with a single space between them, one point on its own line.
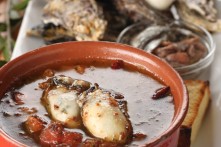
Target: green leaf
21 6
6 53
2 62
2 43
3 27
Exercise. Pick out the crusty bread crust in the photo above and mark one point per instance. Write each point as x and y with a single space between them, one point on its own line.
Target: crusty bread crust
199 97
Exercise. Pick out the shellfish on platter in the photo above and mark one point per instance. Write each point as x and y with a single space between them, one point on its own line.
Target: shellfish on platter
92 20
142 11
65 20
199 12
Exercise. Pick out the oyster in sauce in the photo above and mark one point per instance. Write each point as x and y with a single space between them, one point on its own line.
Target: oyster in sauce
103 117
74 102
60 99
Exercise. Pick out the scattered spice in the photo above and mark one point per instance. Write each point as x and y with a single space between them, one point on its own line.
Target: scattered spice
48 73
17 114
161 92
17 98
117 95
139 136
80 69
115 114
75 119
118 64
113 102
28 110
56 107
44 85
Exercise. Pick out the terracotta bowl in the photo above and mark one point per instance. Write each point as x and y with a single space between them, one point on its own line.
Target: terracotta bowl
78 51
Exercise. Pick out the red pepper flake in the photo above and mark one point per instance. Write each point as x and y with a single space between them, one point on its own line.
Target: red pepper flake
32 110
80 69
48 73
139 136
17 114
56 107
17 97
28 110
118 96
118 64
113 102
44 85
116 114
161 92
76 119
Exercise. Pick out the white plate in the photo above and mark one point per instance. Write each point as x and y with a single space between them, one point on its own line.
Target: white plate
210 132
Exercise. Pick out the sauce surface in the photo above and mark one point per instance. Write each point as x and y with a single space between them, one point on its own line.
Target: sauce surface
148 116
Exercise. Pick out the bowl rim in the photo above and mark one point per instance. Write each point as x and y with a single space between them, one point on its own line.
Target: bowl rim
176 122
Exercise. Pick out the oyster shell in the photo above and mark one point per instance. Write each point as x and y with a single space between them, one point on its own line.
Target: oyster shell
73 19
199 12
116 21
141 11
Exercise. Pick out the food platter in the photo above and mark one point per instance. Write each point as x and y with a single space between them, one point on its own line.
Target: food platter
209 134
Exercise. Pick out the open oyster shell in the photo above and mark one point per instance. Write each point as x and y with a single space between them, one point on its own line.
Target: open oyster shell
142 11
71 19
199 12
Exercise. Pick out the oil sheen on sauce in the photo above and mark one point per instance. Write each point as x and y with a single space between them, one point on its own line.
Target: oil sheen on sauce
148 116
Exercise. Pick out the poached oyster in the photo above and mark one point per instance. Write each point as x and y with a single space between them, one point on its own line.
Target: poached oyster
60 99
105 117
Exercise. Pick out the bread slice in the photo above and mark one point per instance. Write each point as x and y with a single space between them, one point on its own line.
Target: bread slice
199 97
